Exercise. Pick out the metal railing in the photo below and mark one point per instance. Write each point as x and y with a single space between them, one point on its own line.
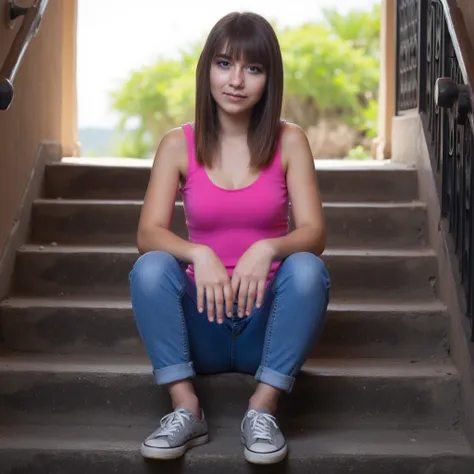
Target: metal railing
433 78
30 26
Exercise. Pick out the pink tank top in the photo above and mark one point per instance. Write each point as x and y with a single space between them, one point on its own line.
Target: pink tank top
230 221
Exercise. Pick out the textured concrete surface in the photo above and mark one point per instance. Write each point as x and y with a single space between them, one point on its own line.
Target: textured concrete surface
29 449
329 392
356 184
379 394
103 271
112 222
107 326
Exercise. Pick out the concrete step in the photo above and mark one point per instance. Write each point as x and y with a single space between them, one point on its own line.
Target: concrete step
408 275
111 222
333 393
348 183
79 450
74 326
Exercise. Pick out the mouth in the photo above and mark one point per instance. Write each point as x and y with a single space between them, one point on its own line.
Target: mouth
236 96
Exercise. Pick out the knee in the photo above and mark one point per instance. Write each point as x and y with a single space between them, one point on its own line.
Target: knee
151 269
307 272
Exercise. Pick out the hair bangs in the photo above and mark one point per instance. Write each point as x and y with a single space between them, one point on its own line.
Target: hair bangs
244 42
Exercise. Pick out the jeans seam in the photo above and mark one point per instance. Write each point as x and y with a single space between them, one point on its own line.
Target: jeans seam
268 334
184 334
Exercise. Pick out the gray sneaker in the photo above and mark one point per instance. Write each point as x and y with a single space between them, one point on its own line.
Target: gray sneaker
178 431
264 442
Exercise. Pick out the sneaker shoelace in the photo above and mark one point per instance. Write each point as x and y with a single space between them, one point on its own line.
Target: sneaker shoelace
261 424
173 422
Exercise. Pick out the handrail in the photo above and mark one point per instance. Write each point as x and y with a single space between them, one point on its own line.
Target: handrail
28 30
461 45
435 75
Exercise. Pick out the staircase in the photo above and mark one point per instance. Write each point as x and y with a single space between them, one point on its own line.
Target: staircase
379 394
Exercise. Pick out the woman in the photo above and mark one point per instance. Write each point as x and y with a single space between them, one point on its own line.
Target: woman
237 168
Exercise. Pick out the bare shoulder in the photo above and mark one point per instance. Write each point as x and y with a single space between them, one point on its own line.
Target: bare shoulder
173 147
294 144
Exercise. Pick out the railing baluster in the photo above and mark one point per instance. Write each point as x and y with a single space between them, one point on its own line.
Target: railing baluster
445 107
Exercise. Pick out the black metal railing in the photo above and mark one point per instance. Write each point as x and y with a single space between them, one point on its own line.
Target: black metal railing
432 77
33 16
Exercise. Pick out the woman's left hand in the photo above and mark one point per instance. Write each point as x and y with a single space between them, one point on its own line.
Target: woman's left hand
250 275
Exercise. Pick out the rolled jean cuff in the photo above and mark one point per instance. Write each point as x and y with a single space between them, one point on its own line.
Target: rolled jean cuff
275 379
174 373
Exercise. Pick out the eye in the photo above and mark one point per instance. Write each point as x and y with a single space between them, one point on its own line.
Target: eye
223 63
255 69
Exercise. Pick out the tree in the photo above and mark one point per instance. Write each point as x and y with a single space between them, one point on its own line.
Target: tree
331 69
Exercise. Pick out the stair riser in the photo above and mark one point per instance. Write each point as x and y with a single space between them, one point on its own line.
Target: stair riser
126 461
106 274
90 182
117 224
316 401
111 330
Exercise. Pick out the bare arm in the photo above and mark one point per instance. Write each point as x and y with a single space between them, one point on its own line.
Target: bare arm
310 229
153 227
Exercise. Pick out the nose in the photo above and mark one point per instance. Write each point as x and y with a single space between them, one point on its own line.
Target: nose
237 77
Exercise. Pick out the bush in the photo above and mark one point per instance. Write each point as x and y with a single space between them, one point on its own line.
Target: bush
331 70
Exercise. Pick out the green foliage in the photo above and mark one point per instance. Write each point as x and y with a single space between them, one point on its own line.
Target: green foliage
358 153
157 98
327 71
331 69
361 28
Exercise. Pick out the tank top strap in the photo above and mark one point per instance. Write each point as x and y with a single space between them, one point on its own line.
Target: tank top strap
189 133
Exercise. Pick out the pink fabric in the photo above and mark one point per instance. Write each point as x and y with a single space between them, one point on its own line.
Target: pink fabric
230 221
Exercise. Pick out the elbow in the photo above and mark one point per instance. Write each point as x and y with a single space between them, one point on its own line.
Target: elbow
142 239
140 243
320 242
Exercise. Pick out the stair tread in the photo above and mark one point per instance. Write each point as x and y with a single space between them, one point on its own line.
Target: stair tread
138 202
225 442
132 250
332 165
139 364
124 303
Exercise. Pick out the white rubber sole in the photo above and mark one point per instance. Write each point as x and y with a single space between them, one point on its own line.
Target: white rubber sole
172 453
266 458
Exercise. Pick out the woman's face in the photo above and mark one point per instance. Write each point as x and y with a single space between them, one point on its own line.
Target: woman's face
236 85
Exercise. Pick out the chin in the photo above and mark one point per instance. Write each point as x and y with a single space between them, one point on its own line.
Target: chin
235 109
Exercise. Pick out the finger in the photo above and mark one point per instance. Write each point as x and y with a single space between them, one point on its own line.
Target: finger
210 303
235 286
260 292
229 299
200 298
252 293
219 299
243 288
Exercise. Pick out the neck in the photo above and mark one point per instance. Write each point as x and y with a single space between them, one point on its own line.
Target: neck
234 125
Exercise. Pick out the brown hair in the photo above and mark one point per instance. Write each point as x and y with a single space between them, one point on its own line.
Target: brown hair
250 36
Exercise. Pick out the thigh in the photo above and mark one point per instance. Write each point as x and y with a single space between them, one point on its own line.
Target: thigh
210 344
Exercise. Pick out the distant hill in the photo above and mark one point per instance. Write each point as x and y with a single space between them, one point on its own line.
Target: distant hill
97 141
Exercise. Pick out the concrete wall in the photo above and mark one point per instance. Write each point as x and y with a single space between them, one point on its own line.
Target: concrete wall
35 114
467 8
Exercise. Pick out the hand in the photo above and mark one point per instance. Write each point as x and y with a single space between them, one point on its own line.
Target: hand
250 275
212 279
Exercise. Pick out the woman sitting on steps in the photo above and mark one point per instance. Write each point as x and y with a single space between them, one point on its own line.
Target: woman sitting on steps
237 167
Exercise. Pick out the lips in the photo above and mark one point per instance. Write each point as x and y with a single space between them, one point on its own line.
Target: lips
236 96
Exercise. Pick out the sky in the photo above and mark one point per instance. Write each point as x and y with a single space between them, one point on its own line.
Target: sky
115 39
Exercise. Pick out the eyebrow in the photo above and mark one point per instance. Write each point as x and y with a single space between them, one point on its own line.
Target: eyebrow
229 58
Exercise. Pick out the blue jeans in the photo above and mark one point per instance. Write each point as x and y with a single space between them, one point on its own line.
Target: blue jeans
272 343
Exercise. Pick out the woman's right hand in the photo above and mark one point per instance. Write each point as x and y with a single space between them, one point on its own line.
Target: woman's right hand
212 280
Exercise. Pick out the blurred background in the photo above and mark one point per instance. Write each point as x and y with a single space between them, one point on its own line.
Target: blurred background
136 70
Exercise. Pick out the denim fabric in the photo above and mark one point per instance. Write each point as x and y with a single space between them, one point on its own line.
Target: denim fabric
272 343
